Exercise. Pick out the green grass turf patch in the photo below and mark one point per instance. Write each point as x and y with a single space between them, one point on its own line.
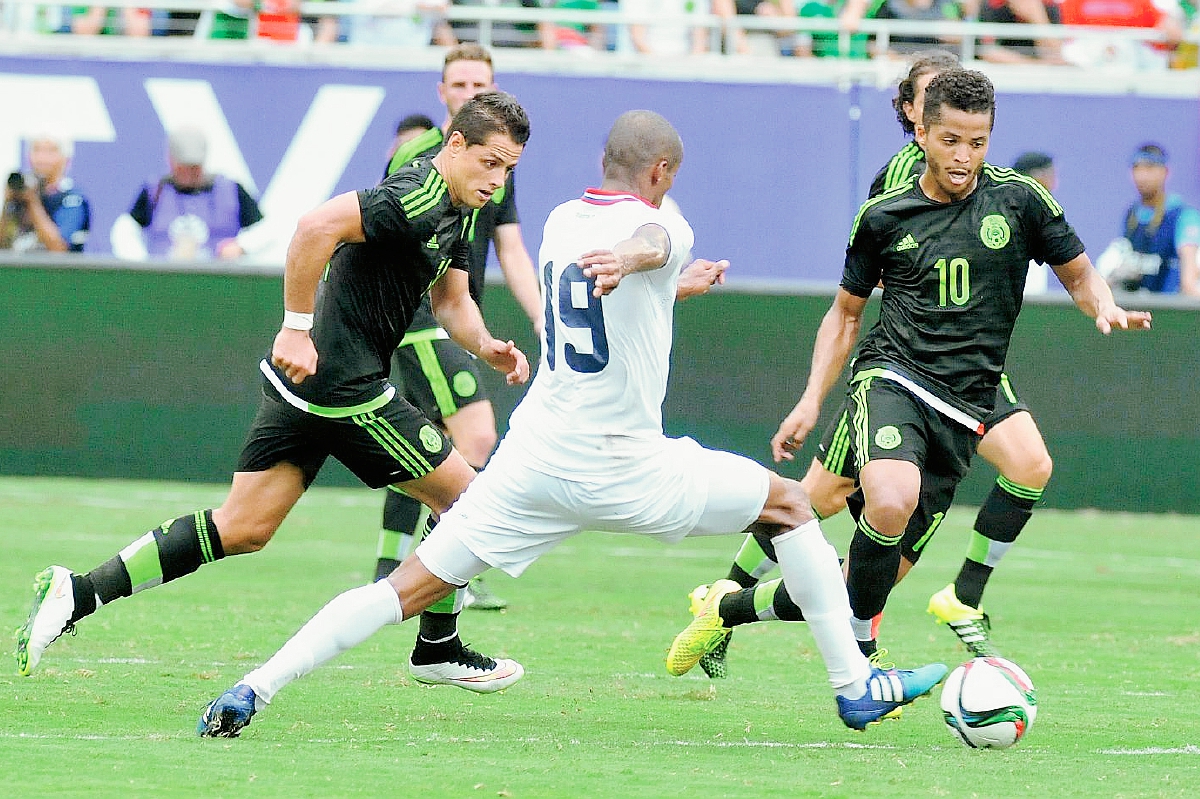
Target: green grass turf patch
1099 609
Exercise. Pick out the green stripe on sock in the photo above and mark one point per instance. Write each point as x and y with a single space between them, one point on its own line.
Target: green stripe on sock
1019 491
977 549
876 536
142 562
764 598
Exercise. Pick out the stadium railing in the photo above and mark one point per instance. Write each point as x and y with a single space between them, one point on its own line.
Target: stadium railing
22 25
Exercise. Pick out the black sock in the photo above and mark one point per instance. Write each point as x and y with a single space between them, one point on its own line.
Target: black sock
437 627
384 567
874 560
175 549
785 609
737 607
1001 519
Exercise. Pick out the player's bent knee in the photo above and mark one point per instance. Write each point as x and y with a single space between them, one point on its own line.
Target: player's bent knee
788 504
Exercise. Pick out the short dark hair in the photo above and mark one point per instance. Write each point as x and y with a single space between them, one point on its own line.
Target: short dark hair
638 140
924 63
1150 153
488 113
1030 162
963 90
467 51
414 122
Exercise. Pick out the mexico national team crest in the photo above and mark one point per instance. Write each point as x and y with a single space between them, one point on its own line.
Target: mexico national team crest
431 440
994 232
887 437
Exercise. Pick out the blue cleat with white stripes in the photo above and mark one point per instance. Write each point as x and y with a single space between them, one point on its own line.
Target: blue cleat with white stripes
887 692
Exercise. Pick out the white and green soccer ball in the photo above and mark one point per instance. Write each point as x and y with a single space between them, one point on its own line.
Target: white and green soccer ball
989 703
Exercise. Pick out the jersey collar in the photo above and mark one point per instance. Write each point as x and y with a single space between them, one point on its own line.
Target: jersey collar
603 197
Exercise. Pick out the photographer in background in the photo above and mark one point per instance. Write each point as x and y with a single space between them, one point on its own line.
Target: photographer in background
43 211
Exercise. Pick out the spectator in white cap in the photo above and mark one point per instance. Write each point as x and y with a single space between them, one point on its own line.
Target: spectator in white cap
43 211
188 215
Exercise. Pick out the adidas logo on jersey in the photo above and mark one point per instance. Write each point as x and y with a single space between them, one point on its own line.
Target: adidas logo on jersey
907 243
433 242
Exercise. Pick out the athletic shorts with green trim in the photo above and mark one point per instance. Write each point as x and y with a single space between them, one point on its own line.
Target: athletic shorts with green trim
394 443
436 375
1008 402
836 450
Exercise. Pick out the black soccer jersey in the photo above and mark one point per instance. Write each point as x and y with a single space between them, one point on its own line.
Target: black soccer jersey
370 291
502 210
954 278
909 160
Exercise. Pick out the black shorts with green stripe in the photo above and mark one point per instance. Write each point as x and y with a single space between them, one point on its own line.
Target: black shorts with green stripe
436 375
1008 402
888 422
393 443
836 451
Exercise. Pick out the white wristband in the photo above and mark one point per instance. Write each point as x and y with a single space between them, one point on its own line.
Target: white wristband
297 321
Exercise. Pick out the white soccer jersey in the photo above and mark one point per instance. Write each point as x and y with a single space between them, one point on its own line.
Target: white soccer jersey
600 385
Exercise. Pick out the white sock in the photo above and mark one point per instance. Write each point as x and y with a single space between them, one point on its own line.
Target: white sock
814 581
349 619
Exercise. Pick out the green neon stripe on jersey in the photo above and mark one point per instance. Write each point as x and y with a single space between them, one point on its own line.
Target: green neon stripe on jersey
886 195
425 197
414 147
1007 388
206 554
432 370
1019 491
1002 174
142 563
933 526
901 166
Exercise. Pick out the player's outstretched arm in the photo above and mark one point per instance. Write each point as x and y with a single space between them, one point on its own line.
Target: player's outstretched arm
317 234
648 248
835 340
1094 297
459 315
699 276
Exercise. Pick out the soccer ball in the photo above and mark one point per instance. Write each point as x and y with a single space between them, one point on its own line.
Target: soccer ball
989 703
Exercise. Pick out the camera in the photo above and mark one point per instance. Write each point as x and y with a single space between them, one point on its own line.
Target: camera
16 182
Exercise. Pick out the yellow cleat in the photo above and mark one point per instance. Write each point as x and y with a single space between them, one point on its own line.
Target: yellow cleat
969 624
706 632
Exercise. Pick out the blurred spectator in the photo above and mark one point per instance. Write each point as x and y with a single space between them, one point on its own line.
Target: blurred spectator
737 40
1040 167
189 214
1015 51
43 211
572 35
402 23
666 39
855 11
278 20
1165 16
825 44
909 10
407 129
1162 233
95 20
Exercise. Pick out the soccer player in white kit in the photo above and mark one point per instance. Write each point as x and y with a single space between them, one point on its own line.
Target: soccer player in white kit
585 450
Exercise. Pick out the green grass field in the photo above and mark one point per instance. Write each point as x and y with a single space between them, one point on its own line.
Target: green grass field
1100 609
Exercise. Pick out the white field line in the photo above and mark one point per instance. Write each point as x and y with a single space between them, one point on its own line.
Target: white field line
1190 749
441 739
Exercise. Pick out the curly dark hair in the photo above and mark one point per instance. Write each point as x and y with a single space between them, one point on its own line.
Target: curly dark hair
491 112
923 64
960 89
